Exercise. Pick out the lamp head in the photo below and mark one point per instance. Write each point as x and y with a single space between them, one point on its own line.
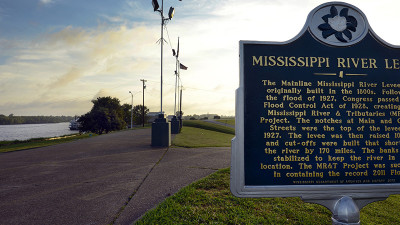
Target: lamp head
171 12
155 5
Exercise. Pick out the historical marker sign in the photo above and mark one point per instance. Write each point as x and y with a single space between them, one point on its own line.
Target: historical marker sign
319 116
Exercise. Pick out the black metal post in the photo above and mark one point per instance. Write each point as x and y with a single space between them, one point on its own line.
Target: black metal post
144 86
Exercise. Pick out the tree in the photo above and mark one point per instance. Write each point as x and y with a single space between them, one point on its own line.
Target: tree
127 113
138 114
3 119
179 113
106 115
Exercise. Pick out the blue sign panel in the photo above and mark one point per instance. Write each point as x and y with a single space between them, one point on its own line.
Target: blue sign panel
321 111
321 114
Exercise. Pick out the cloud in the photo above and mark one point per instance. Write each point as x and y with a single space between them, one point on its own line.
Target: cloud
104 92
113 19
90 53
45 2
109 60
69 36
72 75
46 107
76 62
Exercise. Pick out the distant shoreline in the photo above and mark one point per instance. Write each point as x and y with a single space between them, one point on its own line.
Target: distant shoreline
15 120
31 123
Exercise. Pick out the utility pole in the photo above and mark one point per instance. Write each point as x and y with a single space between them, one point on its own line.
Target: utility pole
144 86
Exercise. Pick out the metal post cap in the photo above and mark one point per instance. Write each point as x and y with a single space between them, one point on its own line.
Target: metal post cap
346 212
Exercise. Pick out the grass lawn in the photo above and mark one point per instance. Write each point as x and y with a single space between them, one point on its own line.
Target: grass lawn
208 126
191 137
209 200
9 146
228 121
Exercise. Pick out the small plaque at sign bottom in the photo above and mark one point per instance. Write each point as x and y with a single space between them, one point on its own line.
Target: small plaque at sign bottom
319 116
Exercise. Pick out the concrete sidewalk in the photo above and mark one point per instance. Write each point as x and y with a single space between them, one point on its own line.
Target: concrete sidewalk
113 178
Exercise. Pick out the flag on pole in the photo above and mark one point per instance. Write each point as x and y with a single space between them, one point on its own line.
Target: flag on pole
181 66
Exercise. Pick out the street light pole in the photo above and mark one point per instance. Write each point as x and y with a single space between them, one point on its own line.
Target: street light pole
161 127
144 86
131 110
170 15
176 82
162 47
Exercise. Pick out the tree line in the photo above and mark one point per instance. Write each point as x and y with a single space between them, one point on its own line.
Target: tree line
11 119
107 114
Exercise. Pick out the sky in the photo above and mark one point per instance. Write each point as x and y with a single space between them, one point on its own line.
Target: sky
58 55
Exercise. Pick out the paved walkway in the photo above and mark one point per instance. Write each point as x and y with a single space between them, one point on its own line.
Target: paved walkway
110 178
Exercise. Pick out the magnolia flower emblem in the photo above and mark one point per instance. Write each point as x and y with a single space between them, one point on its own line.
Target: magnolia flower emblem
338 24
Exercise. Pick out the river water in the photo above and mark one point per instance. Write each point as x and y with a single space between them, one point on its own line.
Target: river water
28 131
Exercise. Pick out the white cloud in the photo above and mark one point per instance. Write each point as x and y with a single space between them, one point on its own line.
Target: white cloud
113 19
45 2
75 62
210 44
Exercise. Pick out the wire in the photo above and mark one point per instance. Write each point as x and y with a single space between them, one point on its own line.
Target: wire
192 88
169 40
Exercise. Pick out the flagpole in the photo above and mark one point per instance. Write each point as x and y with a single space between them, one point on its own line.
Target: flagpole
179 77
176 81
177 89
176 73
